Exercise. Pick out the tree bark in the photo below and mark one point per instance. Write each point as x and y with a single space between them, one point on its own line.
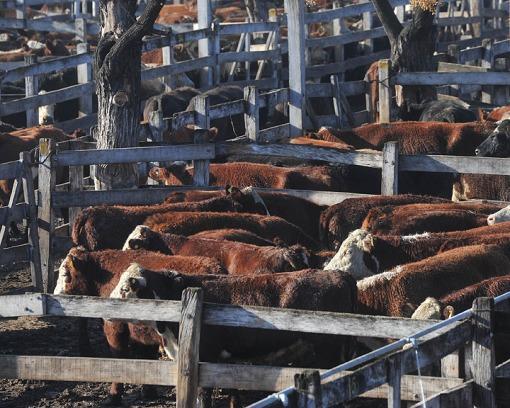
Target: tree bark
412 49
117 71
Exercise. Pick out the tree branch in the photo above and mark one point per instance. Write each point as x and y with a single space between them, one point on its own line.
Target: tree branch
389 20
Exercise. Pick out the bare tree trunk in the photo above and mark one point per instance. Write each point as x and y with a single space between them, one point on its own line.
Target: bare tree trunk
412 48
117 72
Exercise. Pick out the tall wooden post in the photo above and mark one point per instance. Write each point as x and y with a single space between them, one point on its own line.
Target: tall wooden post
84 77
389 178
31 89
47 180
81 28
33 237
368 23
385 91
297 70
205 46
251 115
488 62
308 387
201 167
483 353
189 346
476 8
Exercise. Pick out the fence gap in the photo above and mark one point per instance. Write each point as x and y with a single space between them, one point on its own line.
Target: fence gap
47 180
483 353
189 347
84 72
389 177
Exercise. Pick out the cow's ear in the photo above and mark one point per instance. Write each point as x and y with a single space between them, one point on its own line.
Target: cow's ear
213 133
448 312
228 189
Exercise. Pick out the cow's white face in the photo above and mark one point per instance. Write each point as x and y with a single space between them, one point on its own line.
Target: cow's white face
130 281
354 255
46 113
502 215
138 233
64 277
429 309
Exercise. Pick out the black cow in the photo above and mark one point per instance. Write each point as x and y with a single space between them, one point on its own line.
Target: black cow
498 142
450 111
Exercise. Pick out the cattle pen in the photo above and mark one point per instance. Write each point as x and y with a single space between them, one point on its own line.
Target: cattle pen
464 347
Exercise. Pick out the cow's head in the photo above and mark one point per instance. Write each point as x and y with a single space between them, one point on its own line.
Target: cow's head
159 174
502 215
46 113
250 200
430 308
143 237
355 255
137 282
72 274
498 142
189 133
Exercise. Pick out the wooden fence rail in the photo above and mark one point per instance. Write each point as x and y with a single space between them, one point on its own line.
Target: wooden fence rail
367 381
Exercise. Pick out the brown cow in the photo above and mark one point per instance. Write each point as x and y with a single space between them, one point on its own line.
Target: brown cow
333 291
481 186
419 218
97 274
460 139
400 291
189 223
238 258
363 254
340 219
257 175
108 226
499 114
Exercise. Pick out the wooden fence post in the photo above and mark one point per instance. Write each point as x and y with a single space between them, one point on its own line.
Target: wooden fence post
251 112
157 125
338 29
20 9
483 353
297 68
389 176
80 25
84 72
476 8
394 381
31 89
487 62
75 184
33 237
189 346
205 18
216 49
368 23
201 167
308 387
47 180
385 91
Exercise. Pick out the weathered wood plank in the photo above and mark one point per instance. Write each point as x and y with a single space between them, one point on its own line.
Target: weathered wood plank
264 378
448 78
389 179
88 369
135 154
454 164
189 347
30 304
239 28
274 134
484 378
247 56
346 11
157 195
201 167
373 160
385 92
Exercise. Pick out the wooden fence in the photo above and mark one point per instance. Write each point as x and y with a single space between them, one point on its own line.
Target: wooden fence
210 59
191 314
480 388
15 211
